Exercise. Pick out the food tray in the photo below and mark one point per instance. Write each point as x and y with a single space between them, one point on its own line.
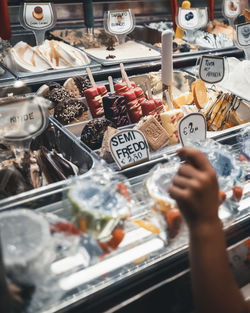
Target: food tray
154 36
85 284
105 62
50 74
73 151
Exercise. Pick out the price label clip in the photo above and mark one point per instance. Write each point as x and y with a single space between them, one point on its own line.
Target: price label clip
192 128
212 69
192 18
38 17
119 23
23 119
129 148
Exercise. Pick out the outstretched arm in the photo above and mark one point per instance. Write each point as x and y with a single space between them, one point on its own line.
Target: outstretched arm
195 188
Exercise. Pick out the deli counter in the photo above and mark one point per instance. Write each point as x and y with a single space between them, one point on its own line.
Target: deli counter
96 235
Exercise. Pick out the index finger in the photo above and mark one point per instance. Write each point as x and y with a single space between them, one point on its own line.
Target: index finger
195 158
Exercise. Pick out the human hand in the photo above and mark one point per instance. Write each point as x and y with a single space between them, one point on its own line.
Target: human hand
195 188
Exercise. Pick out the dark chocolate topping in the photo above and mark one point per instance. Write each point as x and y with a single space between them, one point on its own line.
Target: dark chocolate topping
58 94
83 83
93 132
11 182
68 110
54 167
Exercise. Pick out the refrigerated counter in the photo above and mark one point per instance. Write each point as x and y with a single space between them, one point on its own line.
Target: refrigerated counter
160 281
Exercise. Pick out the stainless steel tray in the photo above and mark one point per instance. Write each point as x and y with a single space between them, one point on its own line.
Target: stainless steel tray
50 74
105 62
154 36
72 150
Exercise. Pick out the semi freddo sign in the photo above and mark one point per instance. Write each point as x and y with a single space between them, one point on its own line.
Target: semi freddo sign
129 148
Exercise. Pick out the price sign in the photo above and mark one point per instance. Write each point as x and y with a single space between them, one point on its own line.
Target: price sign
192 128
23 119
120 22
128 148
243 35
212 69
188 18
231 8
38 16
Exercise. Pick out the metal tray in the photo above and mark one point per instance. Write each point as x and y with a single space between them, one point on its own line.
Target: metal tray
72 150
50 74
154 36
105 62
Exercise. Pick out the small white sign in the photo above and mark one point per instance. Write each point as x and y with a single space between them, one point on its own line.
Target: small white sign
192 127
231 8
212 69
243 35
128 148
120 22
23 119
38 16
188 18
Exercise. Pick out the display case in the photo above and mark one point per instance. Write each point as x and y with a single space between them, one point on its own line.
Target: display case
149 273
118 283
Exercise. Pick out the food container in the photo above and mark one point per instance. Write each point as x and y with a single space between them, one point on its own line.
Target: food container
71 150
111 60
47 75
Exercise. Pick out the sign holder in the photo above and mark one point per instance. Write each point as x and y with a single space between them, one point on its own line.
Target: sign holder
191 20
192 128
243 38
119 23
212 69
129 148
38 17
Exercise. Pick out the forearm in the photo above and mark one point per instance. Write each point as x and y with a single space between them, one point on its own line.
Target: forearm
214 288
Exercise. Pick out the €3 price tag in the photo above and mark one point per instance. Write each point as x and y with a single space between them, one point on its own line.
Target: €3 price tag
192 128
212 69
22 119
128 148
119 22
38 16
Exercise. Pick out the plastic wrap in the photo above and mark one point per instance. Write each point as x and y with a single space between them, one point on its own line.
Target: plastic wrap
34 244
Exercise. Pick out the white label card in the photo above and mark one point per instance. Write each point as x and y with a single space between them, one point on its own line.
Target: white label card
192 128
243 35
128 148
188 18
212 69
231 8
38 16
23 119
120 22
